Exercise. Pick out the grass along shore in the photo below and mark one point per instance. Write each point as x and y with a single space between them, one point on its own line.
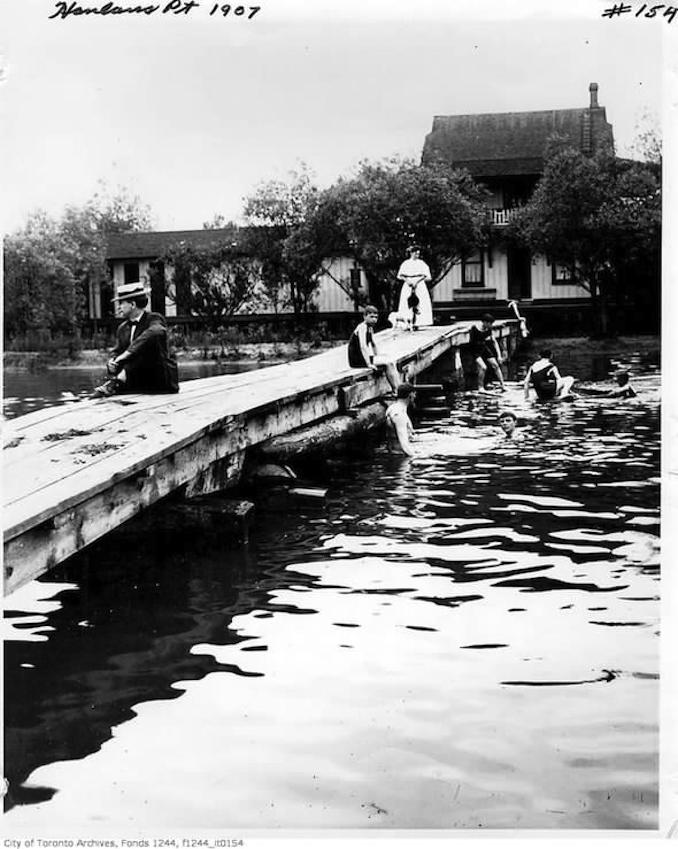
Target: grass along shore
271 352
281 352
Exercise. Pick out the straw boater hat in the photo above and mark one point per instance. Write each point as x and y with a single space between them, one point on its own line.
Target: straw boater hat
127 291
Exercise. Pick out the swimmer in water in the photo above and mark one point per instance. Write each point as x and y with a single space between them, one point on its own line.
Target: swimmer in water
546 381
624 388
507 421
399 420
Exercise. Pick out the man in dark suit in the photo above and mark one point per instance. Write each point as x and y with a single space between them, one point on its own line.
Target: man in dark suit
140 361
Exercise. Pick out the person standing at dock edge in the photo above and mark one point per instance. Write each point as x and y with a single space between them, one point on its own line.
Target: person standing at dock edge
140 361
362 349
415 302
485 350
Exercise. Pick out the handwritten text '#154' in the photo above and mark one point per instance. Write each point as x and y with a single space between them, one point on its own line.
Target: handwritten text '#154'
65 10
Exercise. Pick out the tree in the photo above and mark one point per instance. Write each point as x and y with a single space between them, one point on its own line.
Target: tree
217 280
600 217
218 222
40 293
51 263
387 205
89 227
648 144
287 242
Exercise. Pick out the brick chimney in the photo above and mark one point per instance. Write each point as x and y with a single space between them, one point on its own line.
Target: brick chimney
593 90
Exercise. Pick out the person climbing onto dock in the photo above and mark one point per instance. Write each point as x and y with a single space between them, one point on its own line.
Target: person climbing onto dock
543 376
362 349
399 420
486 352
140 361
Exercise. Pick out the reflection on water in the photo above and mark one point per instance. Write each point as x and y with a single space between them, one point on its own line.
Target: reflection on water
468 640
25 391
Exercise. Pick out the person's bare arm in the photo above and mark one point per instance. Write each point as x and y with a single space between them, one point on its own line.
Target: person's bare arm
400 425
365 349
526 383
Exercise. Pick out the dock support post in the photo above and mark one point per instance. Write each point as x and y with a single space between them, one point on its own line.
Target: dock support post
228 516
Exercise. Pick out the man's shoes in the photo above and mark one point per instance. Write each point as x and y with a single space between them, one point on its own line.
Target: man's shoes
110 387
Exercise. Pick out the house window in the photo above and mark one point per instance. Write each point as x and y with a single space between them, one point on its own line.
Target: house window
131 272
356 279
560 274
473 271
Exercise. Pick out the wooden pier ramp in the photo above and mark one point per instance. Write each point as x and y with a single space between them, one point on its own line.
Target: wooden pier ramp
72 473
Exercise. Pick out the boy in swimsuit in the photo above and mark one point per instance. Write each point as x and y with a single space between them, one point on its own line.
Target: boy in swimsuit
485 349
624 388
399 420
545 379
362 349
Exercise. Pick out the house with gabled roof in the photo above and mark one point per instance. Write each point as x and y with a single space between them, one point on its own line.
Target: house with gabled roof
505 153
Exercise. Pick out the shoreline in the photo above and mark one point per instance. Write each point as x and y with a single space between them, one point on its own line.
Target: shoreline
270 353
276 353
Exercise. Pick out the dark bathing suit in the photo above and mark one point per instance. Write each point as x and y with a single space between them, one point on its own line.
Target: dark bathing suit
355 354
545 383
482 344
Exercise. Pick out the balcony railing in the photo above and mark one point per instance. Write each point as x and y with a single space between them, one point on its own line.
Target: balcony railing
503 216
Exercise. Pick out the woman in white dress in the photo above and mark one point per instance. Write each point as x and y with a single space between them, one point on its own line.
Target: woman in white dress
415 302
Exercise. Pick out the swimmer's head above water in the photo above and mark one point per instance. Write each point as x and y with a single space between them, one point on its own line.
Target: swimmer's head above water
405 391
507 421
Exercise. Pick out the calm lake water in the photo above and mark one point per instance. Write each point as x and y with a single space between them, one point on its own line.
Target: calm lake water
25 391
467 640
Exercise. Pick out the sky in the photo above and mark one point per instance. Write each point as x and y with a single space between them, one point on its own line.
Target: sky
191 111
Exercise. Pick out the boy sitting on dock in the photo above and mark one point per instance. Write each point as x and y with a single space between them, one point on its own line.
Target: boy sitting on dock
140 361
362 349
399 420
485 350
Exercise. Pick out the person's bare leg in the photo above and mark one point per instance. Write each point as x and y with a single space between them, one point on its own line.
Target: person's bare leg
565 386
496 368
482 370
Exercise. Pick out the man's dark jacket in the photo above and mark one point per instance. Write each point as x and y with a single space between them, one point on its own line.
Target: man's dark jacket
149 367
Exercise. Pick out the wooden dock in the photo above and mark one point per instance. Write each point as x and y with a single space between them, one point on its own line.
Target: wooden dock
73 473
